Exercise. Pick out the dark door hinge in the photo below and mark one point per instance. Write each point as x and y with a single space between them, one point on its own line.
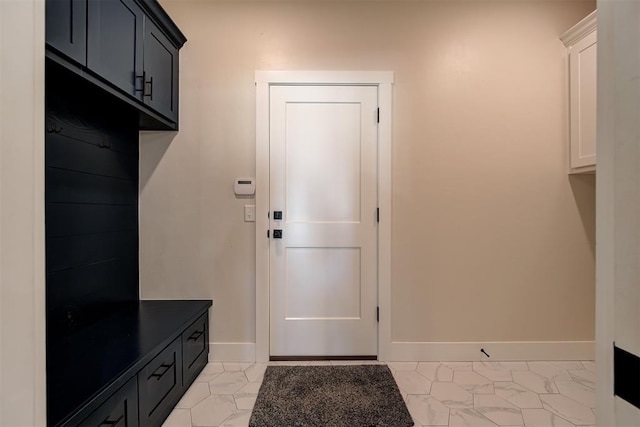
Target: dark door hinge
267 234
378 115
377 314
378 214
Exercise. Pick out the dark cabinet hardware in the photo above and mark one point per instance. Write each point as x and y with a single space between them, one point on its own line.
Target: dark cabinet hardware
105 143
106 422
158 375
196 335
277 234
146 83
54 128
277 215
143 88
150 83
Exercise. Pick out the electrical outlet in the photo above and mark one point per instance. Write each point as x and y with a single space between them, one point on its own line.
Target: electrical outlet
249 213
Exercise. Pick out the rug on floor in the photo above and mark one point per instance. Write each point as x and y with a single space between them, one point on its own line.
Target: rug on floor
329 396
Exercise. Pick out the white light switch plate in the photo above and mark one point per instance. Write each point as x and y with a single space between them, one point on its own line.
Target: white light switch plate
249 213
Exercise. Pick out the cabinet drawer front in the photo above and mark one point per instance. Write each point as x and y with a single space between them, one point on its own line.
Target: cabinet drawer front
160 384
119 410
195 340
195 347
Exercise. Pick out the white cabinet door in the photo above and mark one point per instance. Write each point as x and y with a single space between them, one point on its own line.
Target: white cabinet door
582 75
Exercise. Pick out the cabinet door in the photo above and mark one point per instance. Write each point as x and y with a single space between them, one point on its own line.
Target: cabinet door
582 71
66 28
161 71
114 43
121 409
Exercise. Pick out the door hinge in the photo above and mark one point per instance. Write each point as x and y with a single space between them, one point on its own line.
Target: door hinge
378 214
267 234
378 115
377 314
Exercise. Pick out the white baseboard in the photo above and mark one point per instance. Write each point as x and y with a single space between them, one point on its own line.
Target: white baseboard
499 351
232 352
442 351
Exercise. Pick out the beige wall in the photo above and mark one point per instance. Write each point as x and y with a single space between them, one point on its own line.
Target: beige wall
492 241
22 277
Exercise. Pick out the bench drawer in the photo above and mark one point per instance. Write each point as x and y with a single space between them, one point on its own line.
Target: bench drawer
195 348
121 409
160 384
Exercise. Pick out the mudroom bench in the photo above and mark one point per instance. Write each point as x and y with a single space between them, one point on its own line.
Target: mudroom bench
129 367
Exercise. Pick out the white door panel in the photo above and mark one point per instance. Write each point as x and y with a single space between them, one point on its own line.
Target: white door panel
323 281
333 292
329 159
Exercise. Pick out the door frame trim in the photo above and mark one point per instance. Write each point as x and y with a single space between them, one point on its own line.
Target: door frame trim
264 80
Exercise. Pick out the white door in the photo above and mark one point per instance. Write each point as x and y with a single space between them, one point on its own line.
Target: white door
323 184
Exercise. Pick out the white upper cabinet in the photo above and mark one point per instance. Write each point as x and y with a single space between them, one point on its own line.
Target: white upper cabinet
581 42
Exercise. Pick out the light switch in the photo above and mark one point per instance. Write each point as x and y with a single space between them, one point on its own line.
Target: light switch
249 213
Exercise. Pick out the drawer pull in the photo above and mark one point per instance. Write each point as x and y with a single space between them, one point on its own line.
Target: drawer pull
106 422
194 336
150 83
159 374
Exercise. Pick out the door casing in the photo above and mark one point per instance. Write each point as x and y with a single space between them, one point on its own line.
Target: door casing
264 80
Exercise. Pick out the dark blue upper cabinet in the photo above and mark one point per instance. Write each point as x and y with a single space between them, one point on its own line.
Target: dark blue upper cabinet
115 41
127 47
160 72
66 28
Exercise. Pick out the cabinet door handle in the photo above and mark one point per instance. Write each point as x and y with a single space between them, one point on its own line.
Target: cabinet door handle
144 83
150 94
106 422
164 368
194 336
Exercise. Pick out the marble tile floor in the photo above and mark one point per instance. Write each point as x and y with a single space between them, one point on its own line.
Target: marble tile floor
536 394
